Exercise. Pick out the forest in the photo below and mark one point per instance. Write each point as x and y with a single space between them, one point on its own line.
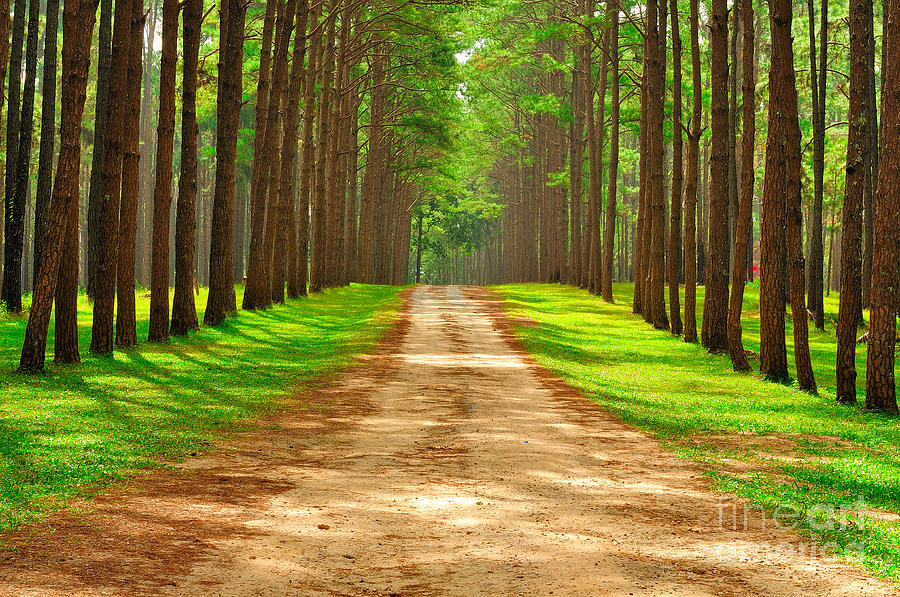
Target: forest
686 212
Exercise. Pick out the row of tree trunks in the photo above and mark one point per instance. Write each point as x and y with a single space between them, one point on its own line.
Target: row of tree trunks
58 272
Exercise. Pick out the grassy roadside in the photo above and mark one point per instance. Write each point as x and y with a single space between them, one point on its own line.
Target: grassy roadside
65 433
770 443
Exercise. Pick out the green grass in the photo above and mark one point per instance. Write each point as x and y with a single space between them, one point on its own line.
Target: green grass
66 433
793 449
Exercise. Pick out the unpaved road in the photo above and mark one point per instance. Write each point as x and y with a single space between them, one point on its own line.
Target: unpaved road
447 464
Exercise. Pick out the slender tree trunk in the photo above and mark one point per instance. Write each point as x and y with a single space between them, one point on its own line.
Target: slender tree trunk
871 159
817 85
794 225
48 132
111 179
324 161
745 209
576 167
596 255
307 170
715 304
674 263
690 198
57 274
126 320
610 231
275 259
221 301
256 294
773 351
291 131
162 192
857 148
594 164
184 310
880 385
101 111
18 152
655 306
351 257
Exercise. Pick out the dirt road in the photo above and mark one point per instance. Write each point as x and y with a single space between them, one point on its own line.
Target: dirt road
447 464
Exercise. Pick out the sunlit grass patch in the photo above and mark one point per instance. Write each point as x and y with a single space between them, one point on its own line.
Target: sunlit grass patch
767 442
66 432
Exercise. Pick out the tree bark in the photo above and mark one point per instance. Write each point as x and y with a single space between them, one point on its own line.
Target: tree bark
655 305
324 161
674 263
184 310
17 184
854 190
745 209
817 84
126 320
715 305
101 111
56 273
307 171
773 351
289 142
613 177
794 227
256 294
221 301
111 180
880 384
693 175
162 191
48 133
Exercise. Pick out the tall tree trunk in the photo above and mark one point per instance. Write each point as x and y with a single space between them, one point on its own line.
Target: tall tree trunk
594 164
18 151
871 162
733 190
221 301
715 305
880 385
854 191
126 321
610 231
745 209
350 226
817 85
596 255
289 141
162 191
57 274
275 225
655 306
674 263
337 172
576 168
48 133
101 111
256 294
184 310
324 161
773 351
794 224
693 172
307 171
111 180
